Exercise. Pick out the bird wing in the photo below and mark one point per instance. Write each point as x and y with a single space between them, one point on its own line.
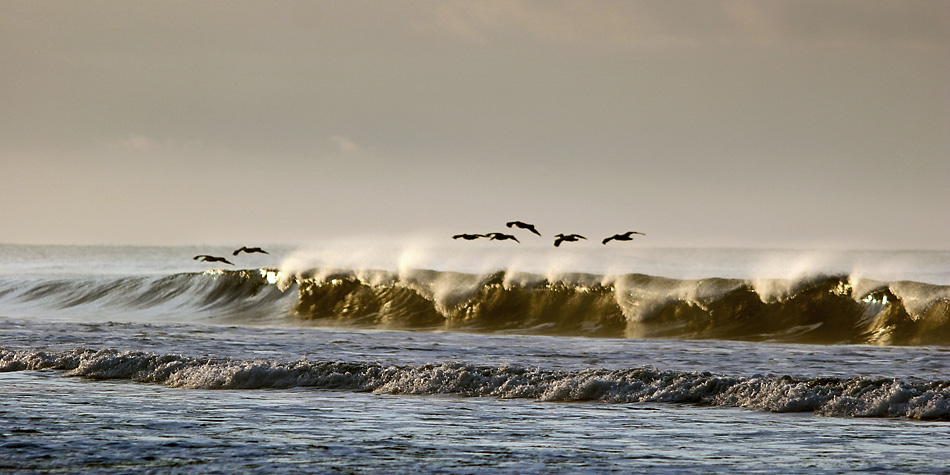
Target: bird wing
606 240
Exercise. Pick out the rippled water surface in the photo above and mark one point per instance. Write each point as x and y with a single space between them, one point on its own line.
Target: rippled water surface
81 425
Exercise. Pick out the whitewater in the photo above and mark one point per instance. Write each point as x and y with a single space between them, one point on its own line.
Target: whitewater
365 356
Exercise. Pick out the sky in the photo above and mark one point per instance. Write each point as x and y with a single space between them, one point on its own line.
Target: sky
713 123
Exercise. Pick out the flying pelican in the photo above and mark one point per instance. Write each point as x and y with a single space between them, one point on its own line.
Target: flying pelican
468 237
627 236
523 225
207 258
502 237
569 237
249 250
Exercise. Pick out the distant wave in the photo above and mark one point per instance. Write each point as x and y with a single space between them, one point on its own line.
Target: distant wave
821 309
826 396
245 294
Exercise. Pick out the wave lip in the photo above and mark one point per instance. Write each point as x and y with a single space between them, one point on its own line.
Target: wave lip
854 397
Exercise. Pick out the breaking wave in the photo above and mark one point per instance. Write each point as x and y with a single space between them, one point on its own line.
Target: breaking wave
826 396
833 309
821 309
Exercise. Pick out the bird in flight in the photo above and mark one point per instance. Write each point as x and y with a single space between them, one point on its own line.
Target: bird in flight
468 237
523 225
249 250
502 237
207 258
627 236
566 237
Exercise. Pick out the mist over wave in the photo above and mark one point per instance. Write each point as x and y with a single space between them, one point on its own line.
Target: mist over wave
540 257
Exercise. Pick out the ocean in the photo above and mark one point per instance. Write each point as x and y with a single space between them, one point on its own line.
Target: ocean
473 357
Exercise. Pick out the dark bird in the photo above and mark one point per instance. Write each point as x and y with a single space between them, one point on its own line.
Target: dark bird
249 250
569 237
502 237
627 236
468 237
523 225
207 258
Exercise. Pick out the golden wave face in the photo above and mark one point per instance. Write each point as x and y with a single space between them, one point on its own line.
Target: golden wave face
824 310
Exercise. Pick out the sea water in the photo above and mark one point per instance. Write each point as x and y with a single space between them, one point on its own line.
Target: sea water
373 359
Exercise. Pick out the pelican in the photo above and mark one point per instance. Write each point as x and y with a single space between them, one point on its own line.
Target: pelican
569 237
249 250
523 225
207 258
502 237
627 236
468 237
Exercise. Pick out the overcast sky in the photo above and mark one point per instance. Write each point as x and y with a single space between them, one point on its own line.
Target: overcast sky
702 123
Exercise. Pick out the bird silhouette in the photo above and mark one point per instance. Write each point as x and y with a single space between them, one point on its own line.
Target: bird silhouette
207 258
468 237
627 236
502 237
566 237
249 250
523 225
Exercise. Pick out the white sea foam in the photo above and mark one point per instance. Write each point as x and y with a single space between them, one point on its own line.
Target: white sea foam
827 396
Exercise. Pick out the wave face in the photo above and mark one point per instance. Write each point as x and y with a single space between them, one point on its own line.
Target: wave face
246 294
825 310
883 397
